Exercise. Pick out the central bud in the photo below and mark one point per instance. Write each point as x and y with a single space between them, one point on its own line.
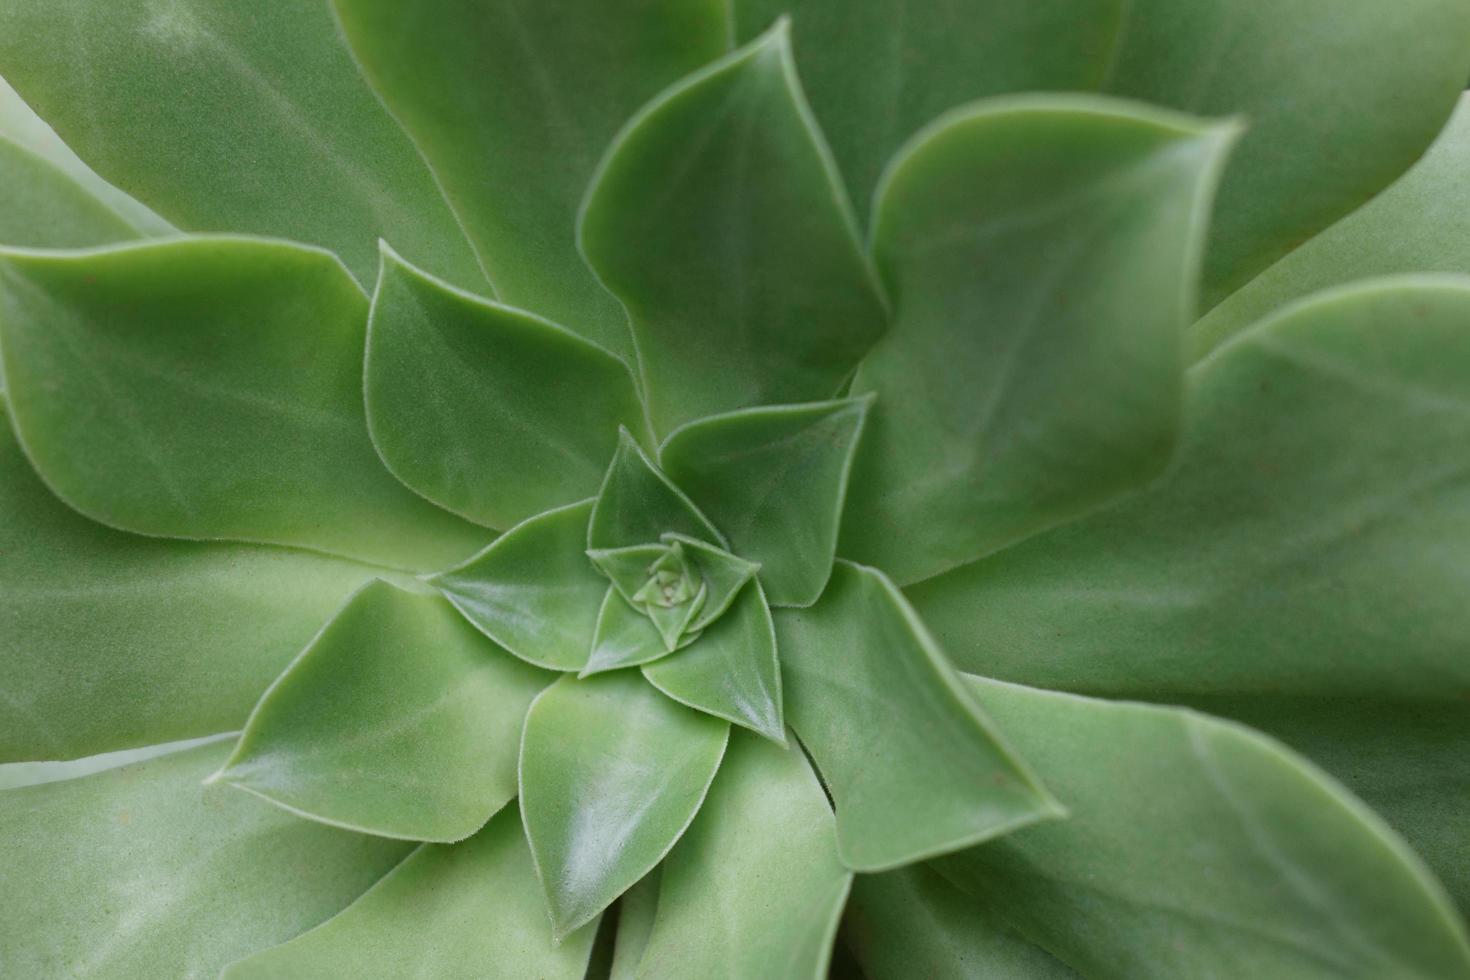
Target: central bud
671 581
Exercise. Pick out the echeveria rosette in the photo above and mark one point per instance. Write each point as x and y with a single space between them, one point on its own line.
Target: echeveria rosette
575 502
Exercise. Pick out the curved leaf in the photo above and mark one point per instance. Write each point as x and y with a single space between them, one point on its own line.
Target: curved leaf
1303 881
208 388
232 118
774 481
513 101
110 640
1338 105
468 910
533 591
398 720
489 412
638 504
1304 557
42 207
168 866
888 722
731 670
1041 253
755 887
732 302
611 774
912 922
624 638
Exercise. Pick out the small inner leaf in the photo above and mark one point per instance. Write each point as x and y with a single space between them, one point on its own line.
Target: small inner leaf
625 637
638 503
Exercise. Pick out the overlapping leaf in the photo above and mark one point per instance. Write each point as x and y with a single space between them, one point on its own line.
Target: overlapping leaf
638 504
43 207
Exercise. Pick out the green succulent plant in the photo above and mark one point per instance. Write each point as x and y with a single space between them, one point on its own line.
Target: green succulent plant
734 488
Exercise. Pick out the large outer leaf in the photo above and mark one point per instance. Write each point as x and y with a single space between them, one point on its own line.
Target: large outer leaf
141 872
399 719
513 101
209 388
233 117
470 910
1041 254
718 219
1305 557
41 206
490 412
755 888
888 723
1198 848
1341 99
912 922
109 640
611 774
1419 224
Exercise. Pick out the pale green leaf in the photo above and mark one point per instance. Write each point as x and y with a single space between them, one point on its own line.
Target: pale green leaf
755 887
731 670
625 637
733 303
230 117
513 101
533 591
466 910
912 922
638 504
209 388
490 412
611 774
888 723
142 872
723 574
399 720
1304 557
110 640
1199 848
774 481
636 911
42 207
1041 253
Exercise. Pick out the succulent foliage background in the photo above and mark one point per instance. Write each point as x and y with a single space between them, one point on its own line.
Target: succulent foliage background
734 488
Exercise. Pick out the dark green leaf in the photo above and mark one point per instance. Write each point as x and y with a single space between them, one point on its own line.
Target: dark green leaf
638 504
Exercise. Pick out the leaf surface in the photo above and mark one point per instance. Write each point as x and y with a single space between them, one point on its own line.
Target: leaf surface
1303 881
755 887
399 720
733 303
488 411
774 481
142 872
1041 254
638 504
209 388
611 774
1302 565
471 909
43 207
231 118
513 101
888 722
625 637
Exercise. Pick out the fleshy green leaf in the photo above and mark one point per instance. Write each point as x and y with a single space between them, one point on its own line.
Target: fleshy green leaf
912 922
636 911
1338 105
755 888
774 481
232 118
466 910
398 720
638 504
111 640
533 591
611 774
1303 881
723 574
1041 253
490 412
733 302
888 723
142 872
627 568
512 101
1302 565
731 670
209 388
624 638
1414 226
42 207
